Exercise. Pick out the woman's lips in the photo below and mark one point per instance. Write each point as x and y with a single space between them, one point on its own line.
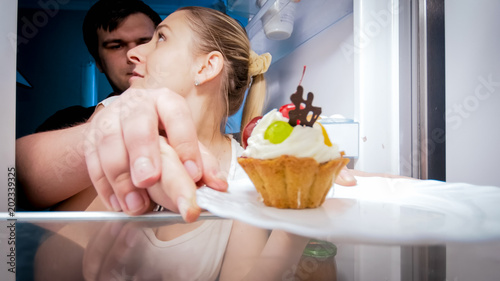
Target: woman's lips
135 76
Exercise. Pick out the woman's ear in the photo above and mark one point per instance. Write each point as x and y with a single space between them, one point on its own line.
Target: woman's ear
212 64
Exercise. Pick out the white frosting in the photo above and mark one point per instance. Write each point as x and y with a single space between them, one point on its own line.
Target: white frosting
303 142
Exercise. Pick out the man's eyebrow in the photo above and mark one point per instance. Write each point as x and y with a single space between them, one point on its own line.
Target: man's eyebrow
112 41
147 38
120 41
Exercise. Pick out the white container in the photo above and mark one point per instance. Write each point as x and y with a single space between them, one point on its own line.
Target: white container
278 19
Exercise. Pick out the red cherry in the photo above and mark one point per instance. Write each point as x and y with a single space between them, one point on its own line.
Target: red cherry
247 131
287 107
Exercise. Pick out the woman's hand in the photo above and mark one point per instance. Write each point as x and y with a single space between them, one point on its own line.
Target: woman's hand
175 190
123 155
346 177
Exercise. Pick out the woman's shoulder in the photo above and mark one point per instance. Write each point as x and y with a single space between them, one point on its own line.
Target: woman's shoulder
235 170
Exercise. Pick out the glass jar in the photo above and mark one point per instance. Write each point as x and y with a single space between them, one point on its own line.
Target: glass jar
317 262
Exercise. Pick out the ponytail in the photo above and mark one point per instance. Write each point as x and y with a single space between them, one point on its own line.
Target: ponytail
256 96
254 103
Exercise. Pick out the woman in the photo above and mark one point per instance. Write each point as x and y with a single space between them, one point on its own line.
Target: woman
204 57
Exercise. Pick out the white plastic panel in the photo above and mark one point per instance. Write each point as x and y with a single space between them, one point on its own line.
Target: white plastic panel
376 84
346 136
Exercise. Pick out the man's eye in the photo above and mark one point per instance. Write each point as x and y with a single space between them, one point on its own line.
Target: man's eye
117 46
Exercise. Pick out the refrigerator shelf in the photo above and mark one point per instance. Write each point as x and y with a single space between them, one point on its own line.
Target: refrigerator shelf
311 17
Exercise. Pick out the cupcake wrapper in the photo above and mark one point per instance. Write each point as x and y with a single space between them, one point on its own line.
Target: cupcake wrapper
291 182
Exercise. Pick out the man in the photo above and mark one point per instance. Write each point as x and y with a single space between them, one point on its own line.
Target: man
110 29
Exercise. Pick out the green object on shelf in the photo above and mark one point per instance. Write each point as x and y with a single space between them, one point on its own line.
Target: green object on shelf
320 249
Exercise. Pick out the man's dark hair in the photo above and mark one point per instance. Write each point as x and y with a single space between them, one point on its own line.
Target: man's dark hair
108 14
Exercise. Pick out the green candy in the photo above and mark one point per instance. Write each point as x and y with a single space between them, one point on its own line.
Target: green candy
278 131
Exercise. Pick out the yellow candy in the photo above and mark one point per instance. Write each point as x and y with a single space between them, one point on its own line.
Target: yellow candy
325 135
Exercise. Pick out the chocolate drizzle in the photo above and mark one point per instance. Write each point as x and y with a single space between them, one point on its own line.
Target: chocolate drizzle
298 116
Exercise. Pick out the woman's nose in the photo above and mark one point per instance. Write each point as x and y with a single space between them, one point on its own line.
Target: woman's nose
136 54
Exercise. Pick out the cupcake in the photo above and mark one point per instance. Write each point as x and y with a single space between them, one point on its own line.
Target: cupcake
289 157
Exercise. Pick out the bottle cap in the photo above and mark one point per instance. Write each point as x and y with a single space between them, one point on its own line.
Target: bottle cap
320 249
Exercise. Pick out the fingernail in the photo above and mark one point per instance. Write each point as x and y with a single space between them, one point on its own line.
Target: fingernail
222 183
192 169
113 200
143 168
134 201
183 206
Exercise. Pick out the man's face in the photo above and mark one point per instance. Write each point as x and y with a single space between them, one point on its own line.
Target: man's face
113 46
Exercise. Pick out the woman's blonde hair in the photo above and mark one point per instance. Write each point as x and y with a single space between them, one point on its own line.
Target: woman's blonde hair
216 31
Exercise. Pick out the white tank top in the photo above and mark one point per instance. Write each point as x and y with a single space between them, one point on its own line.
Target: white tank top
196 255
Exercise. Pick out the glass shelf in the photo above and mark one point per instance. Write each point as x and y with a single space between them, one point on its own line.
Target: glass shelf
311 17
243 8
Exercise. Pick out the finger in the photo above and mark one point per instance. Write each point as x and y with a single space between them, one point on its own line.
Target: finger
139 121
176 190
345 178
213 176
96 174
177 122
113 157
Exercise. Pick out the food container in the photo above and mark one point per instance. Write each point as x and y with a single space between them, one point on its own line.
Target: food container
317 262
278 19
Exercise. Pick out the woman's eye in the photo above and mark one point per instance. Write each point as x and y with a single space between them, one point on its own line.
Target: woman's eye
161 38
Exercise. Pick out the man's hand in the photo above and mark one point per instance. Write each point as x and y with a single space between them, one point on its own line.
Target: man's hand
129 154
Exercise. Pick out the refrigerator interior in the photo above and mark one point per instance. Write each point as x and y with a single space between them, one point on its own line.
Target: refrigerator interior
358 58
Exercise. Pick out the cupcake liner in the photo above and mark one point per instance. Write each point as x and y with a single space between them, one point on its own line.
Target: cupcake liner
289 182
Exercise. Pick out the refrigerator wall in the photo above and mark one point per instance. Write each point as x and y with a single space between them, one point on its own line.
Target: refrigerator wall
472 91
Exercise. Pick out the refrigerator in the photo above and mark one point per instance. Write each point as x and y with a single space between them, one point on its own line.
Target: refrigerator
412 88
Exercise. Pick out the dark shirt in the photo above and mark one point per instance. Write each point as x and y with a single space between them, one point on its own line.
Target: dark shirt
67 117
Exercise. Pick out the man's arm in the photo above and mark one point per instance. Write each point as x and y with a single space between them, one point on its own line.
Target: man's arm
51 165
